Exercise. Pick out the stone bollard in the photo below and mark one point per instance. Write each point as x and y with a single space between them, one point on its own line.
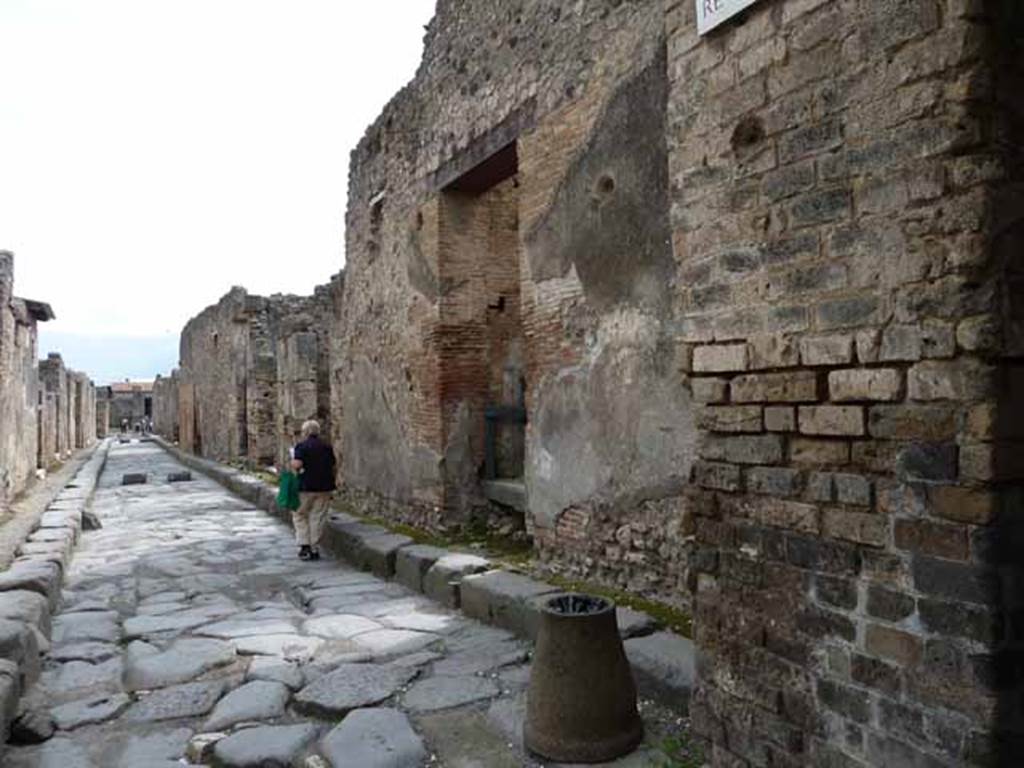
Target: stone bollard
581 705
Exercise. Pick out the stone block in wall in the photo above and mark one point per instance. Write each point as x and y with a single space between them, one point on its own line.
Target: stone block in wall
928 461
720 358
774 481
832 420
912 422
780 418
717 475
955 581
963 505
709 390
790 387
931 538
832 349
857 384
731 418
961 379
859 527
773 350
818 452
754 449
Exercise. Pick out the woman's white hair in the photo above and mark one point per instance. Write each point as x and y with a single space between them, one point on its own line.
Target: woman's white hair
311 427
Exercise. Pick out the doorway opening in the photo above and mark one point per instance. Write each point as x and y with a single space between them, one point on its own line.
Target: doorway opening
483 372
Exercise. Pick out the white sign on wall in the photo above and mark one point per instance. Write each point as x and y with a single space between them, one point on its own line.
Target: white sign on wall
711 13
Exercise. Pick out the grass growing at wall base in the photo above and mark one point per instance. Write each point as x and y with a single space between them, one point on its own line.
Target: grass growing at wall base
680 752
669 617
518 555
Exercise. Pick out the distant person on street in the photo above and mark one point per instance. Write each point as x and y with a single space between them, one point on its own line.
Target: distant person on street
314 462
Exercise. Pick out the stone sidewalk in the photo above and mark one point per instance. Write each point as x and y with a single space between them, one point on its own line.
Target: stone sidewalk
192 635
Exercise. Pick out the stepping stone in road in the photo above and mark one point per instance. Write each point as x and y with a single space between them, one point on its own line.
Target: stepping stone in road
134 478
374 738
268 746
179 477
183 661
89 711
391 642
73 679
258 700
351 686
100 626
275 670
230 629
294 647
189 700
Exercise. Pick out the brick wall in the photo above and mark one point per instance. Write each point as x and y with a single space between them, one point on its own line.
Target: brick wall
420 350
834 169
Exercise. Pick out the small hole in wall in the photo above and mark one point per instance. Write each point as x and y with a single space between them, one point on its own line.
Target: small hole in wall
748 132
606 185
419 220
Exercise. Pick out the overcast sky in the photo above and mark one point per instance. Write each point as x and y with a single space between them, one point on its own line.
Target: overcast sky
155 153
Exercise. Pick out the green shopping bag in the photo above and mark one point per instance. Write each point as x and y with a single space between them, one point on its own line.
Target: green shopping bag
288 491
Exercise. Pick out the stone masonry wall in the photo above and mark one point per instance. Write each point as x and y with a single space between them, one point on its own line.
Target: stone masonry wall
165 405
18 387
252 370
45 410
845 226
214 351
514 124
54 379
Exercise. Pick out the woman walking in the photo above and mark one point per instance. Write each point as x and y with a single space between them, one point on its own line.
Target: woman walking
314 463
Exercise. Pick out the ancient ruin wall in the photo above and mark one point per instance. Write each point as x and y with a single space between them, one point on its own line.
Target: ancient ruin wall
54 380
214 352
165 405
252 370
843 238
18 387
589 224
45 411
86 412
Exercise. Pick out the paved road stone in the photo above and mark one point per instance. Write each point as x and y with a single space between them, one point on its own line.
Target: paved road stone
67 717
447 692
351 686
178 701
189 620
266 747
374 738
258 700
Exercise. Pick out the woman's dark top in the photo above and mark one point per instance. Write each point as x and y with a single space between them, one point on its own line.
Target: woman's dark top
317 459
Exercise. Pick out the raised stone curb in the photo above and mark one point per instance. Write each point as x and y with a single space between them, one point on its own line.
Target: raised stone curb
30 588
663 666
506 600
663 662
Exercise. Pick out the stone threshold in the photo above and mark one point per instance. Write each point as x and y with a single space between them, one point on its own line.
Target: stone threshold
663 662
30 588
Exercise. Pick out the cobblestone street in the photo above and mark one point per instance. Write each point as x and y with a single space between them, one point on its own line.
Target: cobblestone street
190 614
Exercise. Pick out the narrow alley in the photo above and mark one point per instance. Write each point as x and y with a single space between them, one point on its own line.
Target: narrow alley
189 614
